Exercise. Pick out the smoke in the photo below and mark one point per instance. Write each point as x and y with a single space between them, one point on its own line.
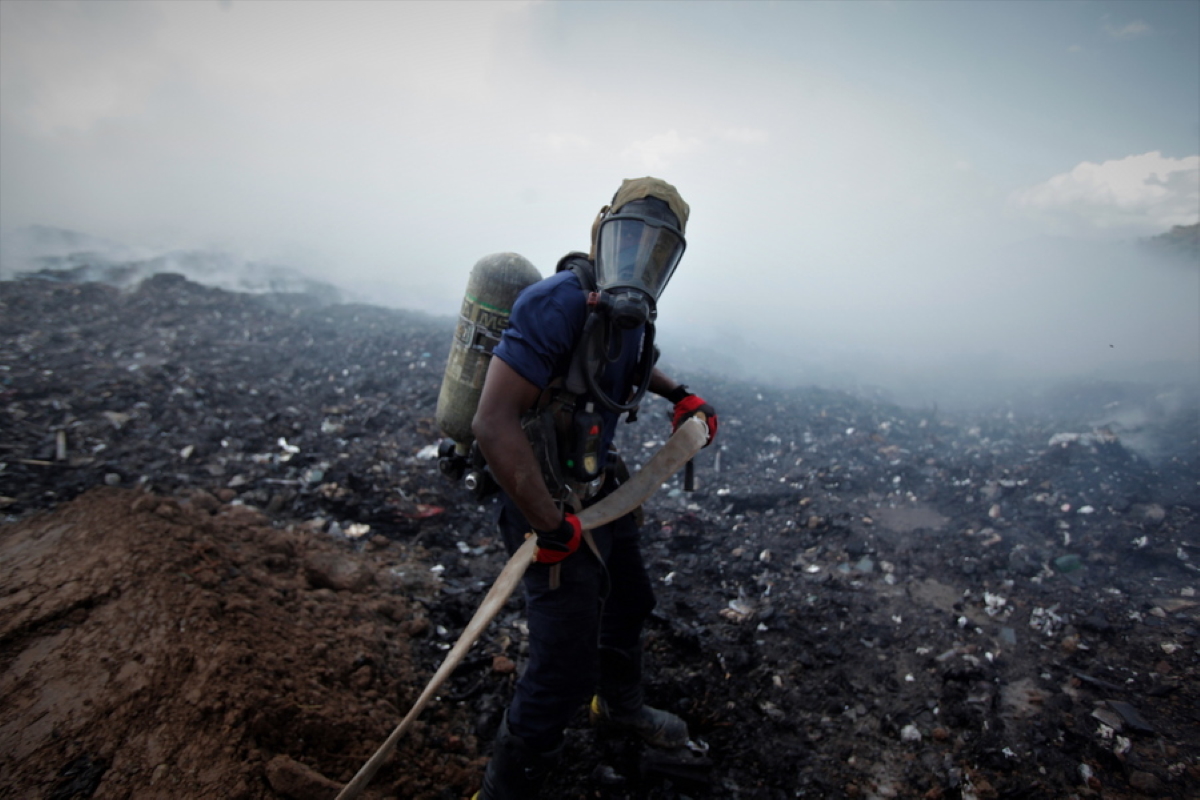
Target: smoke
969 329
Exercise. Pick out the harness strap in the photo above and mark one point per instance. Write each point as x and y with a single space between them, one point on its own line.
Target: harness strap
556 569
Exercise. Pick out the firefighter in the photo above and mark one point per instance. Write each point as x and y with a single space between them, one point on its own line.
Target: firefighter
578 354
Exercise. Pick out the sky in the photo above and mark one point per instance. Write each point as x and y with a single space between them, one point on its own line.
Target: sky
894 187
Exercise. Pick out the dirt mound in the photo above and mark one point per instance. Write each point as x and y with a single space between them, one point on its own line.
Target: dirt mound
157 648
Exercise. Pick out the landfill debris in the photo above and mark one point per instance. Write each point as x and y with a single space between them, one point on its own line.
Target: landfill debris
265 564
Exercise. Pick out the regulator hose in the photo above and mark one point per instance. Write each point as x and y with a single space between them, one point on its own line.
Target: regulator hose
597 332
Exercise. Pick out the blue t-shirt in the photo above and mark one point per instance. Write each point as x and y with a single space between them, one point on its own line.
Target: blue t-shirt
544 327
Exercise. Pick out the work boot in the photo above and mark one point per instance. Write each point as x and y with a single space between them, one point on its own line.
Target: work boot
656 727
619 703
515 772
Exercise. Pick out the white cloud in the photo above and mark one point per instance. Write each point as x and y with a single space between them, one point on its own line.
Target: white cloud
1130 30
746 135
660 150
1137 194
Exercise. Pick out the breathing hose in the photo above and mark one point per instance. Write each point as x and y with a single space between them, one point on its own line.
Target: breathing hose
597 333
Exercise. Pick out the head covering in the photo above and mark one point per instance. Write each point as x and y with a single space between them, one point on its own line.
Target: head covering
639 189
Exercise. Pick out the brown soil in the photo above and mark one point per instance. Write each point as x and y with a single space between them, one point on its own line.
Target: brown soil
163 649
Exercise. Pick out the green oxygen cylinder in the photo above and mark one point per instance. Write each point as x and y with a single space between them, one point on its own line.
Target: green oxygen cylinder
495 282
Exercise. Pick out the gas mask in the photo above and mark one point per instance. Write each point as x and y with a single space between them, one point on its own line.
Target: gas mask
638 247
637 243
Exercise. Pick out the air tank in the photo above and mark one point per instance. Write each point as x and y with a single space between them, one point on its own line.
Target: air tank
495 282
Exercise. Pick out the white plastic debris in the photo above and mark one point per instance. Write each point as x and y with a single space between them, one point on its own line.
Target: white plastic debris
1086 510
428 452
1046 620
993 603
1141 542
741 606
186 452
1085 439
357 530
910 733
1171 647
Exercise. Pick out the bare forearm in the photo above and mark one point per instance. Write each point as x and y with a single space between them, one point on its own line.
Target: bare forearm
516 469
497 428
661 383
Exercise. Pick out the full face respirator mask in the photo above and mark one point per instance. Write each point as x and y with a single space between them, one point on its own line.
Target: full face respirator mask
637 243
638 248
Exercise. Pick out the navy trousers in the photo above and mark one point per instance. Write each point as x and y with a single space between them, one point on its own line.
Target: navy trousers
597 604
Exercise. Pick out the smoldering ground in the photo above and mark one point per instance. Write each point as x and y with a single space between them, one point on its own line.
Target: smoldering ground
897 600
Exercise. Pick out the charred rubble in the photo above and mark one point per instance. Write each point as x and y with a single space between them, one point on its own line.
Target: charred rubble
858 600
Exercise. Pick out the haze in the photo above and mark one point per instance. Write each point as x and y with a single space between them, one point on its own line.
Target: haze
900 192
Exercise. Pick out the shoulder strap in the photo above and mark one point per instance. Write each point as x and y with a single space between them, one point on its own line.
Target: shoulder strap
585 271
583 268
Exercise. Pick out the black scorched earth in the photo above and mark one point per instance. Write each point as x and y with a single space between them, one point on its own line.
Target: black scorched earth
229 563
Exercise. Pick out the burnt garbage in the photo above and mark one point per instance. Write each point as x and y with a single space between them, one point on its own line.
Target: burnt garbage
859 599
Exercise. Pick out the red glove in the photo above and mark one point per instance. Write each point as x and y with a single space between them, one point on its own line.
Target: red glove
687 405
553 546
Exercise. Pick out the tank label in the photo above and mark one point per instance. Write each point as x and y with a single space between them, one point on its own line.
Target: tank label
480 326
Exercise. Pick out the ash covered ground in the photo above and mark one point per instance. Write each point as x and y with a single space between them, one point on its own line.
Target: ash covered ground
228 566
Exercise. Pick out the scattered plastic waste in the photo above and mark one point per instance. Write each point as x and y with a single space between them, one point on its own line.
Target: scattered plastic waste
1046 620
993 603
818 491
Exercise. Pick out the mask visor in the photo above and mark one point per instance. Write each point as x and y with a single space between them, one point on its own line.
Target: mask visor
637 253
